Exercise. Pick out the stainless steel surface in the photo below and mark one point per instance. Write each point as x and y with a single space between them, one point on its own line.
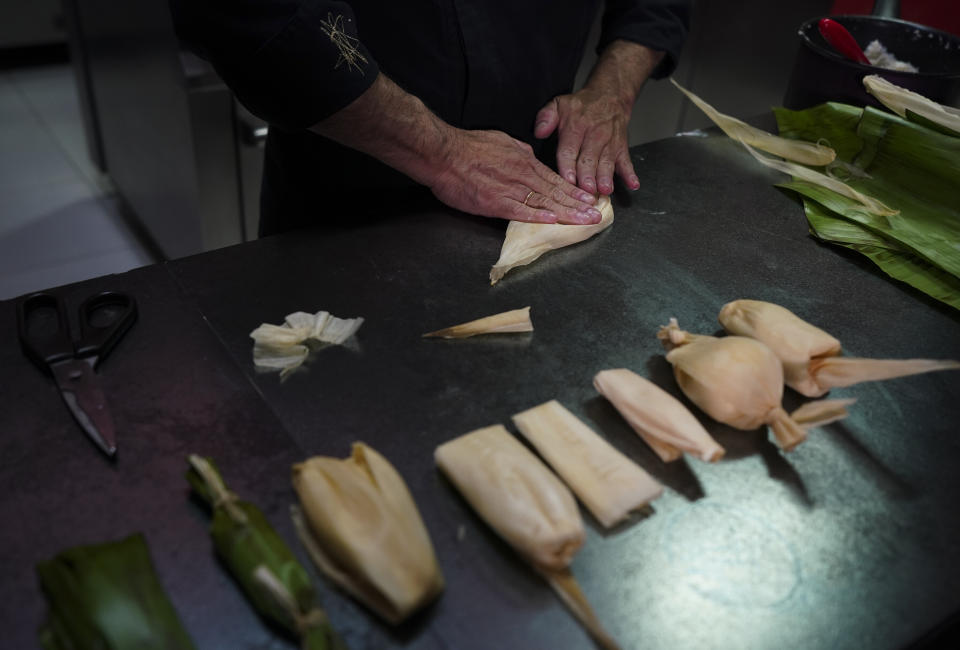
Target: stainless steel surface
849 541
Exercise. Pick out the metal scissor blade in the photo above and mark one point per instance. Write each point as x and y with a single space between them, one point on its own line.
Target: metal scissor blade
80 389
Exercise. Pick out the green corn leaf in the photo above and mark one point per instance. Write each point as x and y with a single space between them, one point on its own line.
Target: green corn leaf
902 163
108 596
266 569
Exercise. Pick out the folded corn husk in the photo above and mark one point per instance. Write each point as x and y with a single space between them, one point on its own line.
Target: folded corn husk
658 417
808 153
734 379
525 242
361 526
900 100
609 484
283 347
811 364
527 505
270 575
108 596
517 320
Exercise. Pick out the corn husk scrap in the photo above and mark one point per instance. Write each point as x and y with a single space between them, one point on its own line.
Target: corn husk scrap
807 153
284 347
108 596
735 380
361 527
527 505
821 412
810 356
901 101
609 484
516 320
266 569
525 242
659 418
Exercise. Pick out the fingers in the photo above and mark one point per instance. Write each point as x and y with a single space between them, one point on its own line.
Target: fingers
547 120
625 171
554 207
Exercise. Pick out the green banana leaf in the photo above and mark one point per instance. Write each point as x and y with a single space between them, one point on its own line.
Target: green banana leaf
257 557
904 164
108 596
886 254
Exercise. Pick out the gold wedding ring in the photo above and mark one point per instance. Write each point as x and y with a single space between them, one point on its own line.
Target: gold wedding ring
527 198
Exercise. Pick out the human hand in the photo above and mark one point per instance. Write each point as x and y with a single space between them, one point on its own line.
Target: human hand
592 139
492 174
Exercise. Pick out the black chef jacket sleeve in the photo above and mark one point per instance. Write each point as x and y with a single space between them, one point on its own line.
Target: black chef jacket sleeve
658 24
291 62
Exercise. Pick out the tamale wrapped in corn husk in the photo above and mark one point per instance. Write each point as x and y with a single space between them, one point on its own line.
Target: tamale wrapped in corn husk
362 528
108 596
525 242
658 417
810 356
609 484
527 505
261 562
734 379
515 320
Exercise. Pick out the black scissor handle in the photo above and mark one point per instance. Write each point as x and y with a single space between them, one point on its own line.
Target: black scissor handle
40 343
97 340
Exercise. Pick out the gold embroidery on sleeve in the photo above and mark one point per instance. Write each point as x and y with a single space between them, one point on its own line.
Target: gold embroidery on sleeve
346 44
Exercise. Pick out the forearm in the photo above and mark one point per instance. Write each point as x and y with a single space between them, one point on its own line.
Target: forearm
394 127
621 70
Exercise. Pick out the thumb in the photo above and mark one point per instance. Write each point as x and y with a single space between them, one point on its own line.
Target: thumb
547 119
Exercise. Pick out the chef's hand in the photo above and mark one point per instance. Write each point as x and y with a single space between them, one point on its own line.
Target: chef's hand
592 123
490 173
592 139
481 172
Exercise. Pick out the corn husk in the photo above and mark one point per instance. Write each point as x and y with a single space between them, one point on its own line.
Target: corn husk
527 505
361 527
660 419
285 347
901 101
266 569
807 153
904 162
108 596
516 320
821 412
607 482
795 154
525 242
810 356
735 380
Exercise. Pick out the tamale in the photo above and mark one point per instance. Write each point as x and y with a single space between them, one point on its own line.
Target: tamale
609 484
734 379
267 570
361 527
525 242
527 505
108 596
810 356
516 320
658 417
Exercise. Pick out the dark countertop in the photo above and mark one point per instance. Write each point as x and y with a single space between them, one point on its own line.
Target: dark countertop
851 540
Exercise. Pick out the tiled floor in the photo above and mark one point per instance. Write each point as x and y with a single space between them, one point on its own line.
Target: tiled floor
59 221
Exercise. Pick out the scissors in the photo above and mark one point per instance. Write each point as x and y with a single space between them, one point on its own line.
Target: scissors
48 340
